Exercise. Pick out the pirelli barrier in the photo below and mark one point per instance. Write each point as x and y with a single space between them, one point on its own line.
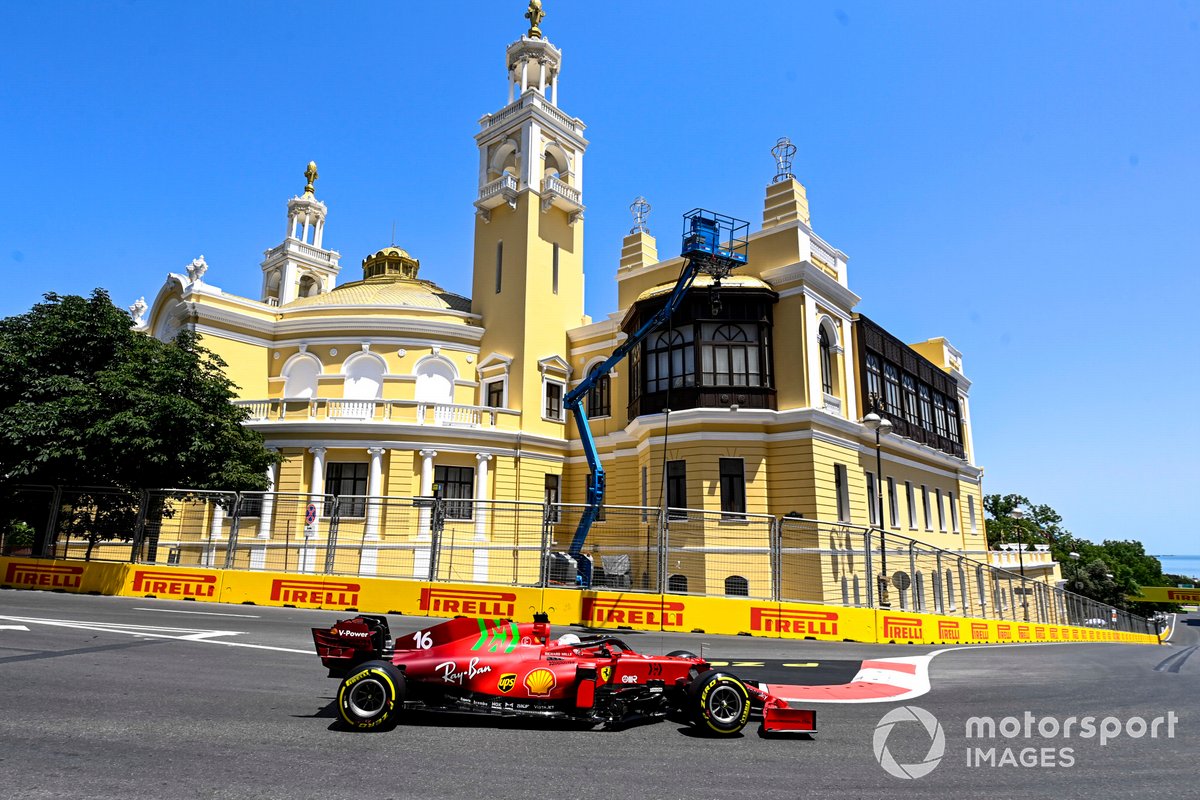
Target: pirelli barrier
595 609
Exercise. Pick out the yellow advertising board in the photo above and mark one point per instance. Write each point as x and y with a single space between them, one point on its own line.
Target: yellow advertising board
63 576
1167 594
478 600
810 621
639 612
173 583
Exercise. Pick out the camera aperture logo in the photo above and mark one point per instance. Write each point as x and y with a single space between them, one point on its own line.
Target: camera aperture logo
915 718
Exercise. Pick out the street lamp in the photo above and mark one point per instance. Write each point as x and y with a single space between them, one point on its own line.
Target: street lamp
1018 515
881 426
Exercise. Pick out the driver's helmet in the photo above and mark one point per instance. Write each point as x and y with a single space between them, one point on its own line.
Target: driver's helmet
568 640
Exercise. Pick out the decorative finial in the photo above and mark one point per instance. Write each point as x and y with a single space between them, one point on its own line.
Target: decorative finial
197 268
138 311
535 15
311 174
641 210
783 151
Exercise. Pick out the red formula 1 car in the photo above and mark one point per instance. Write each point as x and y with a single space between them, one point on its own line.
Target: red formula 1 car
504 668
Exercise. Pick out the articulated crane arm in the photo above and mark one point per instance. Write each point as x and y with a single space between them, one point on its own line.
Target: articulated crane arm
704 252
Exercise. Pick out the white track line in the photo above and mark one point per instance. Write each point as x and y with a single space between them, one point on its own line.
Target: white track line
199 613
153 632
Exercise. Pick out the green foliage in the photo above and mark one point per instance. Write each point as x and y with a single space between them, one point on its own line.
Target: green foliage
86 400
16 536
1105 572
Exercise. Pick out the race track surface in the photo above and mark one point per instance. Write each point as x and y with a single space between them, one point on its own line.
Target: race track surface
106 697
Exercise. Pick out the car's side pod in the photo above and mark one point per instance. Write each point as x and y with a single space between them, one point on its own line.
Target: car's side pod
349 642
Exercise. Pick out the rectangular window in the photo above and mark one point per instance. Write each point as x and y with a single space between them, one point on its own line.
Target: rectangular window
941 512
346 479
457 487
550 496
953 512
911 415
872 502
554 396
971 509
893 511
677 488
874 378
599 399
911 497
733 487
952 420
939 413
891 388
499 266
926 407
925 503
495 394
554 272
841 486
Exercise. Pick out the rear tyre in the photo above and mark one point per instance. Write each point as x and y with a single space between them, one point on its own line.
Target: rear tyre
371 696
718 704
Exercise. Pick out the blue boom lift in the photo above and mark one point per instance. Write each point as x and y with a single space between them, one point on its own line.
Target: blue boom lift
713 244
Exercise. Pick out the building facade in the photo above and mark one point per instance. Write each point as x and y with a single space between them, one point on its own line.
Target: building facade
748 402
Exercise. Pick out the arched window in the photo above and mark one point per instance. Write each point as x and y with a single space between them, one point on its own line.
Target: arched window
737 586
309 286
826 361
300 377
677 584
272 287
599 399
435 382
730 355
670 360
364 378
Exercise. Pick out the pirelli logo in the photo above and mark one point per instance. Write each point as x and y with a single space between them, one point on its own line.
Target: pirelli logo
1039 632
48 576
318 593
772 619
1183 595
947 629
175 584
1053 632
1004 630
903 628
469 603
979 630
627 611
1023 631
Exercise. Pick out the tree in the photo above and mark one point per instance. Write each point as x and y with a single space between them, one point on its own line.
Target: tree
87 401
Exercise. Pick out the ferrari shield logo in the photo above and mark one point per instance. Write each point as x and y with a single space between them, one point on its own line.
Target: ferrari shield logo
507 681
605 674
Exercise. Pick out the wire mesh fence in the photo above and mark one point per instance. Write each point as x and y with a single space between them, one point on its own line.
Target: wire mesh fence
633 549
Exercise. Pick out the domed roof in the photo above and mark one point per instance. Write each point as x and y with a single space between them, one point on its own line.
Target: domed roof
729 282
385 292
389 251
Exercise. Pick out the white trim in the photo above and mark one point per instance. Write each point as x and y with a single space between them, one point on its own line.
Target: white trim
360 354
562 399
224 333
439 446
441 359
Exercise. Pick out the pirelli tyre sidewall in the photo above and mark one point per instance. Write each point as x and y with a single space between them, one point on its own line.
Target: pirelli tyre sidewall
371 696
718 703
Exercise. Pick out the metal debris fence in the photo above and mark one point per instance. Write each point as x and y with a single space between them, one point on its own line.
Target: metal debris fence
634 549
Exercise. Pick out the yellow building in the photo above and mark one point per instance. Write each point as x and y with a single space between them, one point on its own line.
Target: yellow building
384 385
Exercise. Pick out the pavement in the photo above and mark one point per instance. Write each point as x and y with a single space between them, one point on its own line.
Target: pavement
110 697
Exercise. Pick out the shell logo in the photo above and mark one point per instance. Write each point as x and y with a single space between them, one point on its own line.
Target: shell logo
540 682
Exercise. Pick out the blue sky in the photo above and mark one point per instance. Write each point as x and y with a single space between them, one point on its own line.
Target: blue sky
1020 177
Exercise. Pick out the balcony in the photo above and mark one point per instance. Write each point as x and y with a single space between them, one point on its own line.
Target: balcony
296 248
339 411
495 194
557 193
1008 558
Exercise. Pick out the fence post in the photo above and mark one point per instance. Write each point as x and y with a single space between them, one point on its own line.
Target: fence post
870 561
50 537
332 534
664 542
437 522
139 526
234 524
544 552
775 557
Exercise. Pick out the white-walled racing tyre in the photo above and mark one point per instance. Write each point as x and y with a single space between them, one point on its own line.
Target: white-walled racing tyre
371 696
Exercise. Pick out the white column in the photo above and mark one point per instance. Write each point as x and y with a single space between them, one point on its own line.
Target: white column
511 89
421 554
481 514
287 283
291 228
374 490
214 534
305 237
554 90
258 553
320 233
850 368
542 78
524 75
316 492
812 356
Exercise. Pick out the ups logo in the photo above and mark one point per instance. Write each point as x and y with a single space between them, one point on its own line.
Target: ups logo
507 681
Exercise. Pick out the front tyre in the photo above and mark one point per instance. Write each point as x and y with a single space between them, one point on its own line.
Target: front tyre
718 704
371 696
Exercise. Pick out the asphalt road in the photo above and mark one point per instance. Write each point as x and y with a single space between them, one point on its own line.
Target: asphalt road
241 709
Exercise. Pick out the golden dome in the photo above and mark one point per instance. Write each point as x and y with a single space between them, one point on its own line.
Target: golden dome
729 282
387 293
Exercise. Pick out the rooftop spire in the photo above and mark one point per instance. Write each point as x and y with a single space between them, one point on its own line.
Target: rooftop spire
311 174
535 16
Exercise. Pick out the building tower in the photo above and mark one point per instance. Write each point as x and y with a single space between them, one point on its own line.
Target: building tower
301 266
528 279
